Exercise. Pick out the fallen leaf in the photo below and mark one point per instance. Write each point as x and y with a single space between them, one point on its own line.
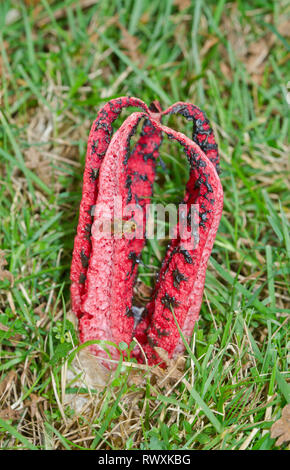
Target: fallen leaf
62 12
7 381
39 310
253 53
85 371
162 377
209 43
281 428
33 403
16 337
130 45
4 274
9 413
172 372
283 28
31 2
226 70
36 162
144 19
257 54
142 292
137 378
182 4
12 16
164 356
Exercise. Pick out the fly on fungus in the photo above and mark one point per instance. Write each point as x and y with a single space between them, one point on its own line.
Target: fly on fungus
101 290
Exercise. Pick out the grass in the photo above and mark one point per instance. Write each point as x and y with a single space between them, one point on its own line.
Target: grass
59 62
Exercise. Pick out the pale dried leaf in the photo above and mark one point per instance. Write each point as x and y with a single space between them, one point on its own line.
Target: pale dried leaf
173 371
72 318
144 19
96 375
33 403
182 4
130 45
142 292
136 378
4 327
226 70
163 355
257 53
36 162
12 16
7 381
13 338
284 28
209 43
39 310
4 274
62 12
281 428
9 413
88 372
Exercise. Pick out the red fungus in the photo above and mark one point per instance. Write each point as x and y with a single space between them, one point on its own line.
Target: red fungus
104 269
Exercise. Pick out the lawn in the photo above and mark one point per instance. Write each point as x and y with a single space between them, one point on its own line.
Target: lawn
60 62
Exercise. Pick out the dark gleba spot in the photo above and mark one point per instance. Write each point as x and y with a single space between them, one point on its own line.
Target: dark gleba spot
88 233
152 342
129 197
203 218
95 146
161 332
82 278
129 312
84 259
135 261
128 181
143 177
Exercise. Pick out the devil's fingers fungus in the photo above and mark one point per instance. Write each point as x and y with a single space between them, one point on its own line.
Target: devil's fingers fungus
104 268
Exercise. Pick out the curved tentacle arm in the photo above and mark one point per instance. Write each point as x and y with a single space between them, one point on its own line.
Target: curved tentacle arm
202 132
111 273
182 275
98 142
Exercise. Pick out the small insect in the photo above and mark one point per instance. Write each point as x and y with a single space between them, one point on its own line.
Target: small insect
198 182
135 258
178 277
187 256
94 173
169 301
143 177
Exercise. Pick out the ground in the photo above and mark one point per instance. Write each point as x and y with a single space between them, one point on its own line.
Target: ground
60 61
